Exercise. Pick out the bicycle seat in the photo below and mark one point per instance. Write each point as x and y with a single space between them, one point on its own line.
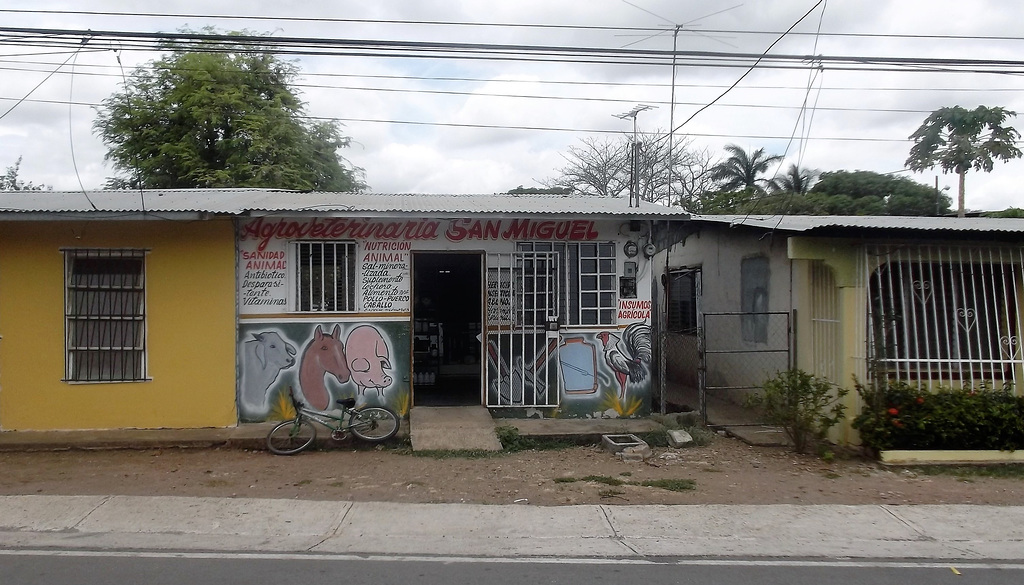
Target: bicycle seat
346 402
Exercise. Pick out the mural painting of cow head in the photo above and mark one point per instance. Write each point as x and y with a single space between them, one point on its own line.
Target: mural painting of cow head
263 358
324 354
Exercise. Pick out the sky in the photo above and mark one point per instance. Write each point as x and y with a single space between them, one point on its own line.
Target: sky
443 125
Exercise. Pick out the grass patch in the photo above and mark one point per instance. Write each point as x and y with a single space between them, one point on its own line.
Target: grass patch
456 453
610 493
602 479
626 473
1011 471
831 475
672 485
336 484
302 482
512 441
216 483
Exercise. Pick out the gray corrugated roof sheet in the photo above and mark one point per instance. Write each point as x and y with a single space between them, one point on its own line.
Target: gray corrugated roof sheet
806 223
259 201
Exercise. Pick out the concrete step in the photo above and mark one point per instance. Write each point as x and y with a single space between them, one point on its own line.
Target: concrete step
452 428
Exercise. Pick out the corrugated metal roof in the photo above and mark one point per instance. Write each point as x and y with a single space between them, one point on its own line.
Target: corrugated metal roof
806 223
258 201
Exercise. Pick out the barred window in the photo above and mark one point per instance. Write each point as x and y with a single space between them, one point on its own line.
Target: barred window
939 316
105 315
326 276
587 280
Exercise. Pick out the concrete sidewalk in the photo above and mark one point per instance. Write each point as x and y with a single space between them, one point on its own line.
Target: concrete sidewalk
511 531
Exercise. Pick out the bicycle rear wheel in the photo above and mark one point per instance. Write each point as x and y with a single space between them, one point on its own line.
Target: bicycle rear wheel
374 424
291 436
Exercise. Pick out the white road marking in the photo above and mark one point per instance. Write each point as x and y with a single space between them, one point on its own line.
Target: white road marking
841 563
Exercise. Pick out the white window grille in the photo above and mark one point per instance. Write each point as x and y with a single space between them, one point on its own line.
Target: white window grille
588 280
325 277
105 315
949 315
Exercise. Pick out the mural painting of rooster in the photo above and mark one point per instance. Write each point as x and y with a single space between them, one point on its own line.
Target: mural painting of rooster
628 356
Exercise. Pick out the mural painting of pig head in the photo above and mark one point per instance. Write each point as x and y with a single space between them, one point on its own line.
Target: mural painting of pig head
369 359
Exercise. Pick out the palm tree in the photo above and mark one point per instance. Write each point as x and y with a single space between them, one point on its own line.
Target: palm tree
742 171
796 180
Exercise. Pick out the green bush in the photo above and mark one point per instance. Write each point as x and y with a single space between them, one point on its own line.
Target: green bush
898 416
805 406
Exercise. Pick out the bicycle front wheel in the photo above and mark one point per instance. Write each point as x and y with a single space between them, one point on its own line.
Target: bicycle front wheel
374 424
291 436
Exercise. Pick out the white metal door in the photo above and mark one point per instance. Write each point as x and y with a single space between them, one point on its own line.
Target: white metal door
523 300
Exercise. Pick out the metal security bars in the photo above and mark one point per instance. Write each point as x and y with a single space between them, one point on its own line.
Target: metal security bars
948 315
522 304
587 282
825 323
598 293
105 315
326 276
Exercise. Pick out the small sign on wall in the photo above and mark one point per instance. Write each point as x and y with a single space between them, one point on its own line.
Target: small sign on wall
384 276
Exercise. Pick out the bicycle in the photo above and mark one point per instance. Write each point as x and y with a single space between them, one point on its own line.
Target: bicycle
374 424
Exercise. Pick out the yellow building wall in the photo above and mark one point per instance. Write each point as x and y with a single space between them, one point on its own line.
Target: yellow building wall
190 320
841 256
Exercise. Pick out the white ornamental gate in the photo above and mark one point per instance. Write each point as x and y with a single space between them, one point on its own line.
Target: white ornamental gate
523 300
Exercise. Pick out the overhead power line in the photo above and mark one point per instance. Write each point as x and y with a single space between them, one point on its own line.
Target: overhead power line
513 25
46 66
130 40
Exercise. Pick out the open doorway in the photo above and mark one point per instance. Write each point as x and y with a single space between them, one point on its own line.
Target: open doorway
447 313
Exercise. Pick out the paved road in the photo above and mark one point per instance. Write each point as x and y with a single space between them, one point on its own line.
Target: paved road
971 533
45 567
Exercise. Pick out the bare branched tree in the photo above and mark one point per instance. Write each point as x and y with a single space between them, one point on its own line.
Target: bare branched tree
602 167
596 167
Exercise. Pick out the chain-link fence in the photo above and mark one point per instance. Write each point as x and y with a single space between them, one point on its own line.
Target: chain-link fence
739 351
682 364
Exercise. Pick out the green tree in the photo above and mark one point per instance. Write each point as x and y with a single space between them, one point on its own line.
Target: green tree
743 171
220 114
870 193
10 181
958 140
520 190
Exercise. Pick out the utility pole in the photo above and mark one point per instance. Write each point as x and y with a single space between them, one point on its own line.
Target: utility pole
634 179
672 119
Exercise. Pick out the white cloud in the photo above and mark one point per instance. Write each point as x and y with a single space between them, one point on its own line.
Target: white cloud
886 106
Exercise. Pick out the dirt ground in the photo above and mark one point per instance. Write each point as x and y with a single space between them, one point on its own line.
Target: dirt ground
724 472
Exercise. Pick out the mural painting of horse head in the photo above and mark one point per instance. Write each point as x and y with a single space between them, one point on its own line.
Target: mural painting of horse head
324 354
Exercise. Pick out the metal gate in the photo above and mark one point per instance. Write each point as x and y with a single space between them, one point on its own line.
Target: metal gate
523 301
738 352
679 353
